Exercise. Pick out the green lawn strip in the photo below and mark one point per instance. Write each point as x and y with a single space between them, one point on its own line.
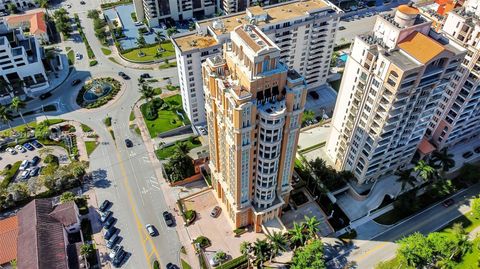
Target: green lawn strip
234 263
114 60
167 119
71 57
150 53
68 48
164 153
169 65
91 146
132 116
313 147
32 124
106 51
86 128
185 265
8 174
114 4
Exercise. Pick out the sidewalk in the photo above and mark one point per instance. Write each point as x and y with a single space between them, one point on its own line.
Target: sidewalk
169 193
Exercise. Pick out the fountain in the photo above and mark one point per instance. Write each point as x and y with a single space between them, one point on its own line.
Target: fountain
97 90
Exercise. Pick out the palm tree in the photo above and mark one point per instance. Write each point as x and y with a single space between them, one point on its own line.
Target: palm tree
311 224
182 148
87 249
244 247
6 116
16 105
140 42
425 171
160 37
147 92
443 159
405 177
296 235
261 250
278 242
171 31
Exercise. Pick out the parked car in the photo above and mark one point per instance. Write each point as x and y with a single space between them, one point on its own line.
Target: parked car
467 154
110 232
168 218
78 56
110 221
28 146
448 202
104 205
34 171
145 75
36 144
477 150
172 266
150 229
123 75
105 215
112 241
215 212
115 251
45 96
117 261
128 143
138 23
76 82
82 2
20 148
24 165
35 160
25 174
11 151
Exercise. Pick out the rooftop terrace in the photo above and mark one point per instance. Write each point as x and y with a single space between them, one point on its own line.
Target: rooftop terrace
194 41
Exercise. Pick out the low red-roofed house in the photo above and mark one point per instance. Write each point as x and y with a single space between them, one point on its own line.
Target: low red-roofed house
8 240
34 21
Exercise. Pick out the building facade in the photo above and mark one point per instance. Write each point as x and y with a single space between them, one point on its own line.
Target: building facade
254 108
156 11
393 80
303 30
22 72
457 118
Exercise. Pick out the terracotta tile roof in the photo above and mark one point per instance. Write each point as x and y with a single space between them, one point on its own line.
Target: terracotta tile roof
8 239
421 47
426 147
36 21
41 242
65 213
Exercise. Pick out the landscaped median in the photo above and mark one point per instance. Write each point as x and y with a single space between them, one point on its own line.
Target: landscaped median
166 152
98 92
150 53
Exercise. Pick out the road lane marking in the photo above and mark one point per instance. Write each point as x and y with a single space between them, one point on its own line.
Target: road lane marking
364 255
150 255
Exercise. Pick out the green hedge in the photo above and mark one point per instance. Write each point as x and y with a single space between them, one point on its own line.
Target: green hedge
8 174
93 63
235 263
203 241
90 53
114 4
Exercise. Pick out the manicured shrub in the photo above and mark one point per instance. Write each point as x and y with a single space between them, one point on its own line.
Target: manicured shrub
151 112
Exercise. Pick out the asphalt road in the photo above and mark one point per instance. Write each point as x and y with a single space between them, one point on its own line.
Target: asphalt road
368 253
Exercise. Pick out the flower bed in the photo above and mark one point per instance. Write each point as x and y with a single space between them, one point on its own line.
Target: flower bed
115 88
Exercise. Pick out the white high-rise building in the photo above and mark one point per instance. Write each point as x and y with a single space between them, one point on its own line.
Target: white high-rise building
393 80
156 11
303 30
457 118
22 72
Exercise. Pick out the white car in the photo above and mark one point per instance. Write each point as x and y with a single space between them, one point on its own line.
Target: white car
25 174
24 165
20 148
138 23
11 151
78 56
150 229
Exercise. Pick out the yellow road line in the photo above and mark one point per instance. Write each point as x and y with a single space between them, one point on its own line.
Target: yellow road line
140 227
364 255
150 255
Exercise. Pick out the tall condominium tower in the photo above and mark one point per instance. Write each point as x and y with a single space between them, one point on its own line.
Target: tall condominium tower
457 118
254 107
303 30
156 11
393 79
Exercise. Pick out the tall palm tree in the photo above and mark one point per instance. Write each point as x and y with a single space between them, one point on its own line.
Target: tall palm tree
6 116
296 235
171 31
140 42
278 242
443 159
261 250
18 104
146 91
182 148
406 178
160 37
311 224
425 171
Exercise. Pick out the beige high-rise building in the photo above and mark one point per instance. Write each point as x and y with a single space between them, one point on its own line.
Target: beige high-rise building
254 108
393 80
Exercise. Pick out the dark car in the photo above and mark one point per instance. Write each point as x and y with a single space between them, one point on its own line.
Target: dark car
36 144
168 218
76 82
477 150
215 212
172 266
82 2
34 171
112 241
110 232
45 96
467 154
35 160
28 146
448 202
145 75
105 215
123 75
104 205
109 223
128 143
117 261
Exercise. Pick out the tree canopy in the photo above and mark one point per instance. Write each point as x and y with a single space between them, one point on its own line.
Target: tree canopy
309 256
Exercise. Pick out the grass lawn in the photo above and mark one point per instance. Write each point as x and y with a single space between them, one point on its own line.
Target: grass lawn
114 60
164 153
71 56
106 51
86 128
169 65
32 124
150 53
185 265
68 48
132 116
167 119
91 146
